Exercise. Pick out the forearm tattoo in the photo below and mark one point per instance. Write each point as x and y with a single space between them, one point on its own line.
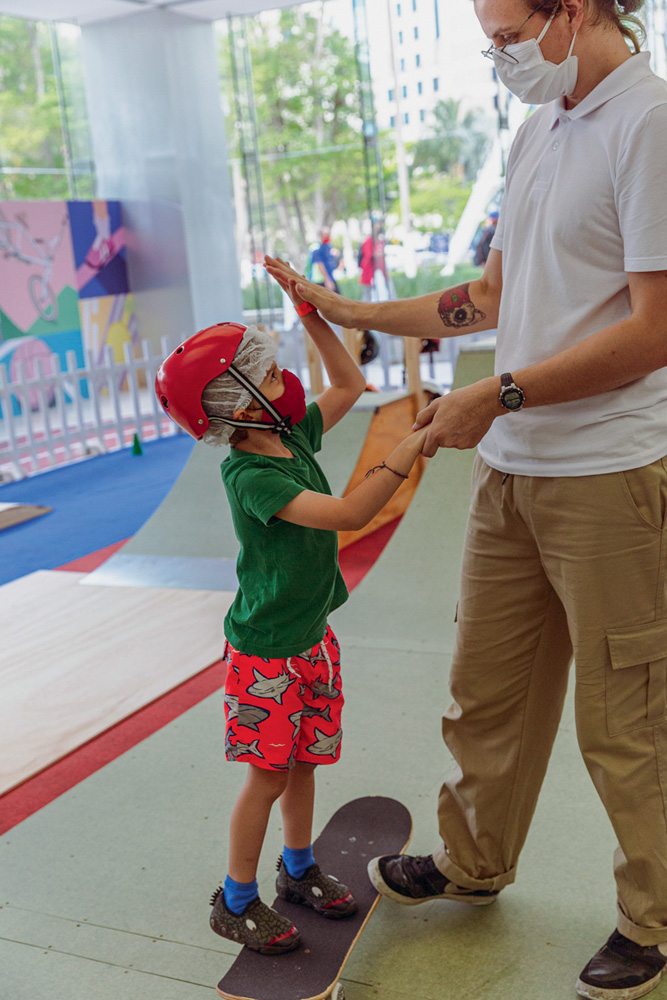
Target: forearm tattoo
456 309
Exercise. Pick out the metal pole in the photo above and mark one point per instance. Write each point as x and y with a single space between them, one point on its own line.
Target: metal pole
246 122
55 54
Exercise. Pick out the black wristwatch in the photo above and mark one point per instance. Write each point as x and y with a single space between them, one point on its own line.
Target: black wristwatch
511 396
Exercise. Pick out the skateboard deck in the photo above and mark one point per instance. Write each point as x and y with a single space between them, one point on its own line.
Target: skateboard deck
359 831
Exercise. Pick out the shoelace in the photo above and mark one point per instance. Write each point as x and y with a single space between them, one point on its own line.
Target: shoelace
325 653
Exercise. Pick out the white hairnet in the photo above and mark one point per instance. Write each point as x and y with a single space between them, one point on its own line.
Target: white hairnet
223 396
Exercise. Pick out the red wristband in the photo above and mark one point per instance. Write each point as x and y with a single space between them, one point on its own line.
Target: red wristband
305 308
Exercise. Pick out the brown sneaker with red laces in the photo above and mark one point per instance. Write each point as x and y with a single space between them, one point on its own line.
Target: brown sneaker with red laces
321 892
258 927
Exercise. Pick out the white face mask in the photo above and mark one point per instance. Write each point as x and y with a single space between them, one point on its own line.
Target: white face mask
524 70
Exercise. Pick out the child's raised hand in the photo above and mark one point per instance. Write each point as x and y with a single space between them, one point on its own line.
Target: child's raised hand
330 305
286 277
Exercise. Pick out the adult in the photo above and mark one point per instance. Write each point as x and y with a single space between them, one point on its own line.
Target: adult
371 259
324 261
566 546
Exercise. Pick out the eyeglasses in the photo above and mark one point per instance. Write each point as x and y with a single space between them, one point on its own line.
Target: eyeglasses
493 51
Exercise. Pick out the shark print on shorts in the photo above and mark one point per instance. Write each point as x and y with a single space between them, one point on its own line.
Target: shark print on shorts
324 745
284 710
270 687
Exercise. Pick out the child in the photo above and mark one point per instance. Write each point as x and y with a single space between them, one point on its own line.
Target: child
283 695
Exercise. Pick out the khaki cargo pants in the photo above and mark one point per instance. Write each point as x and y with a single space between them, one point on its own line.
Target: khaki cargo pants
552 567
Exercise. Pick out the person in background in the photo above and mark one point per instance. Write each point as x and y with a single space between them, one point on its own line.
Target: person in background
371 259
484 243
324 261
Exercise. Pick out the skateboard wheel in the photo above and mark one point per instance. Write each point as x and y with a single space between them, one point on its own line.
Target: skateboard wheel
338 993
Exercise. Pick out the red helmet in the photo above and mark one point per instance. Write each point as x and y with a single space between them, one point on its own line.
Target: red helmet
182 377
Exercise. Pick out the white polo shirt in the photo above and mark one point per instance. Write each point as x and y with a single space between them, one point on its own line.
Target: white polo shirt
585 202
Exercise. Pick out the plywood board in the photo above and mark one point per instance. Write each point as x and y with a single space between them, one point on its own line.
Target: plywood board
75 660
17 513
390 424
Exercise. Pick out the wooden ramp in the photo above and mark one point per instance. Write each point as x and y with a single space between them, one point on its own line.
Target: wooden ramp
76 660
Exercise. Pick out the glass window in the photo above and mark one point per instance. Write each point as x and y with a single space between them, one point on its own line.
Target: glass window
416 32
402 65
436 83
405 91
45 147
392 120
390 95
421 115
419 87
418 60
400 38
407 118
398 10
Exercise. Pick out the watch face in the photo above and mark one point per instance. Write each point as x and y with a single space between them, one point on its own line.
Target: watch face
513 399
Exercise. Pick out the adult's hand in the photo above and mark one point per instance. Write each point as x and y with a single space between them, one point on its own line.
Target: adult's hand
330 305
461 418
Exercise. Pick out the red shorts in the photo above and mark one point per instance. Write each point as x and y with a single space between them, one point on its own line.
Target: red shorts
280 711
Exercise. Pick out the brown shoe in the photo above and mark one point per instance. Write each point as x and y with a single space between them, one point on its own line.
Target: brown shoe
323 893
622 970
258 927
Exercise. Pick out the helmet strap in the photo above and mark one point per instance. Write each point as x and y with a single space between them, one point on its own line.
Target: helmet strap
280 424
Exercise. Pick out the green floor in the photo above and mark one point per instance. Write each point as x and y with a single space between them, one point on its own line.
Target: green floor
105 891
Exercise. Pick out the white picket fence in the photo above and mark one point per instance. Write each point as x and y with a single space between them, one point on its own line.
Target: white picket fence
52 416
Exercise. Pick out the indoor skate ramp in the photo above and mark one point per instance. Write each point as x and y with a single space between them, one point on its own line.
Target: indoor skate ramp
129 857
189 541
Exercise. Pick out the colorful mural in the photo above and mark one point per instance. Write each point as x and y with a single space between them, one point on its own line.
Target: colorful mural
63 284
98 241
37 277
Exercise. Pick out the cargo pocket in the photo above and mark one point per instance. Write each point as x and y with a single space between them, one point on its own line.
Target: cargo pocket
636 688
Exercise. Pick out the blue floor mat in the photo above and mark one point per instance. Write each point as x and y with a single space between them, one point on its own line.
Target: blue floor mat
95 503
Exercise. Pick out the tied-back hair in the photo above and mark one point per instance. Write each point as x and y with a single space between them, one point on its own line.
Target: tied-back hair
618 14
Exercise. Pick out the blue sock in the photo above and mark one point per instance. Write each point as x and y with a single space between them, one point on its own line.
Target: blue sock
298 860
239 894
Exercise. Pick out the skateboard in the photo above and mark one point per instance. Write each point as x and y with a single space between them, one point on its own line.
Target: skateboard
359 831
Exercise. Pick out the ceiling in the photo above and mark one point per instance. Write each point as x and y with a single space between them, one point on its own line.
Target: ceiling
89 11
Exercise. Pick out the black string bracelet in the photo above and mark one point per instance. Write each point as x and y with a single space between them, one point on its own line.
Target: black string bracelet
384 466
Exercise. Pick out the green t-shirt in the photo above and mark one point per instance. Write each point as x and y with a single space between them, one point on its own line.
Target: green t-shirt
289 579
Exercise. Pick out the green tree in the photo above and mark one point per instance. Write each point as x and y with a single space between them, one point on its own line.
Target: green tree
439 193
456 143
30 125
309 129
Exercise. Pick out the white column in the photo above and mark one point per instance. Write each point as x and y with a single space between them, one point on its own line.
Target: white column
159 145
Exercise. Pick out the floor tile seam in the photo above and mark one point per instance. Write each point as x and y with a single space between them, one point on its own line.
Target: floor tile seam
115 930
376 985
103 961
356 643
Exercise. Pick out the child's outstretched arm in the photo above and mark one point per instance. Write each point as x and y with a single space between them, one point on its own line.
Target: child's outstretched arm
318 510
347 380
